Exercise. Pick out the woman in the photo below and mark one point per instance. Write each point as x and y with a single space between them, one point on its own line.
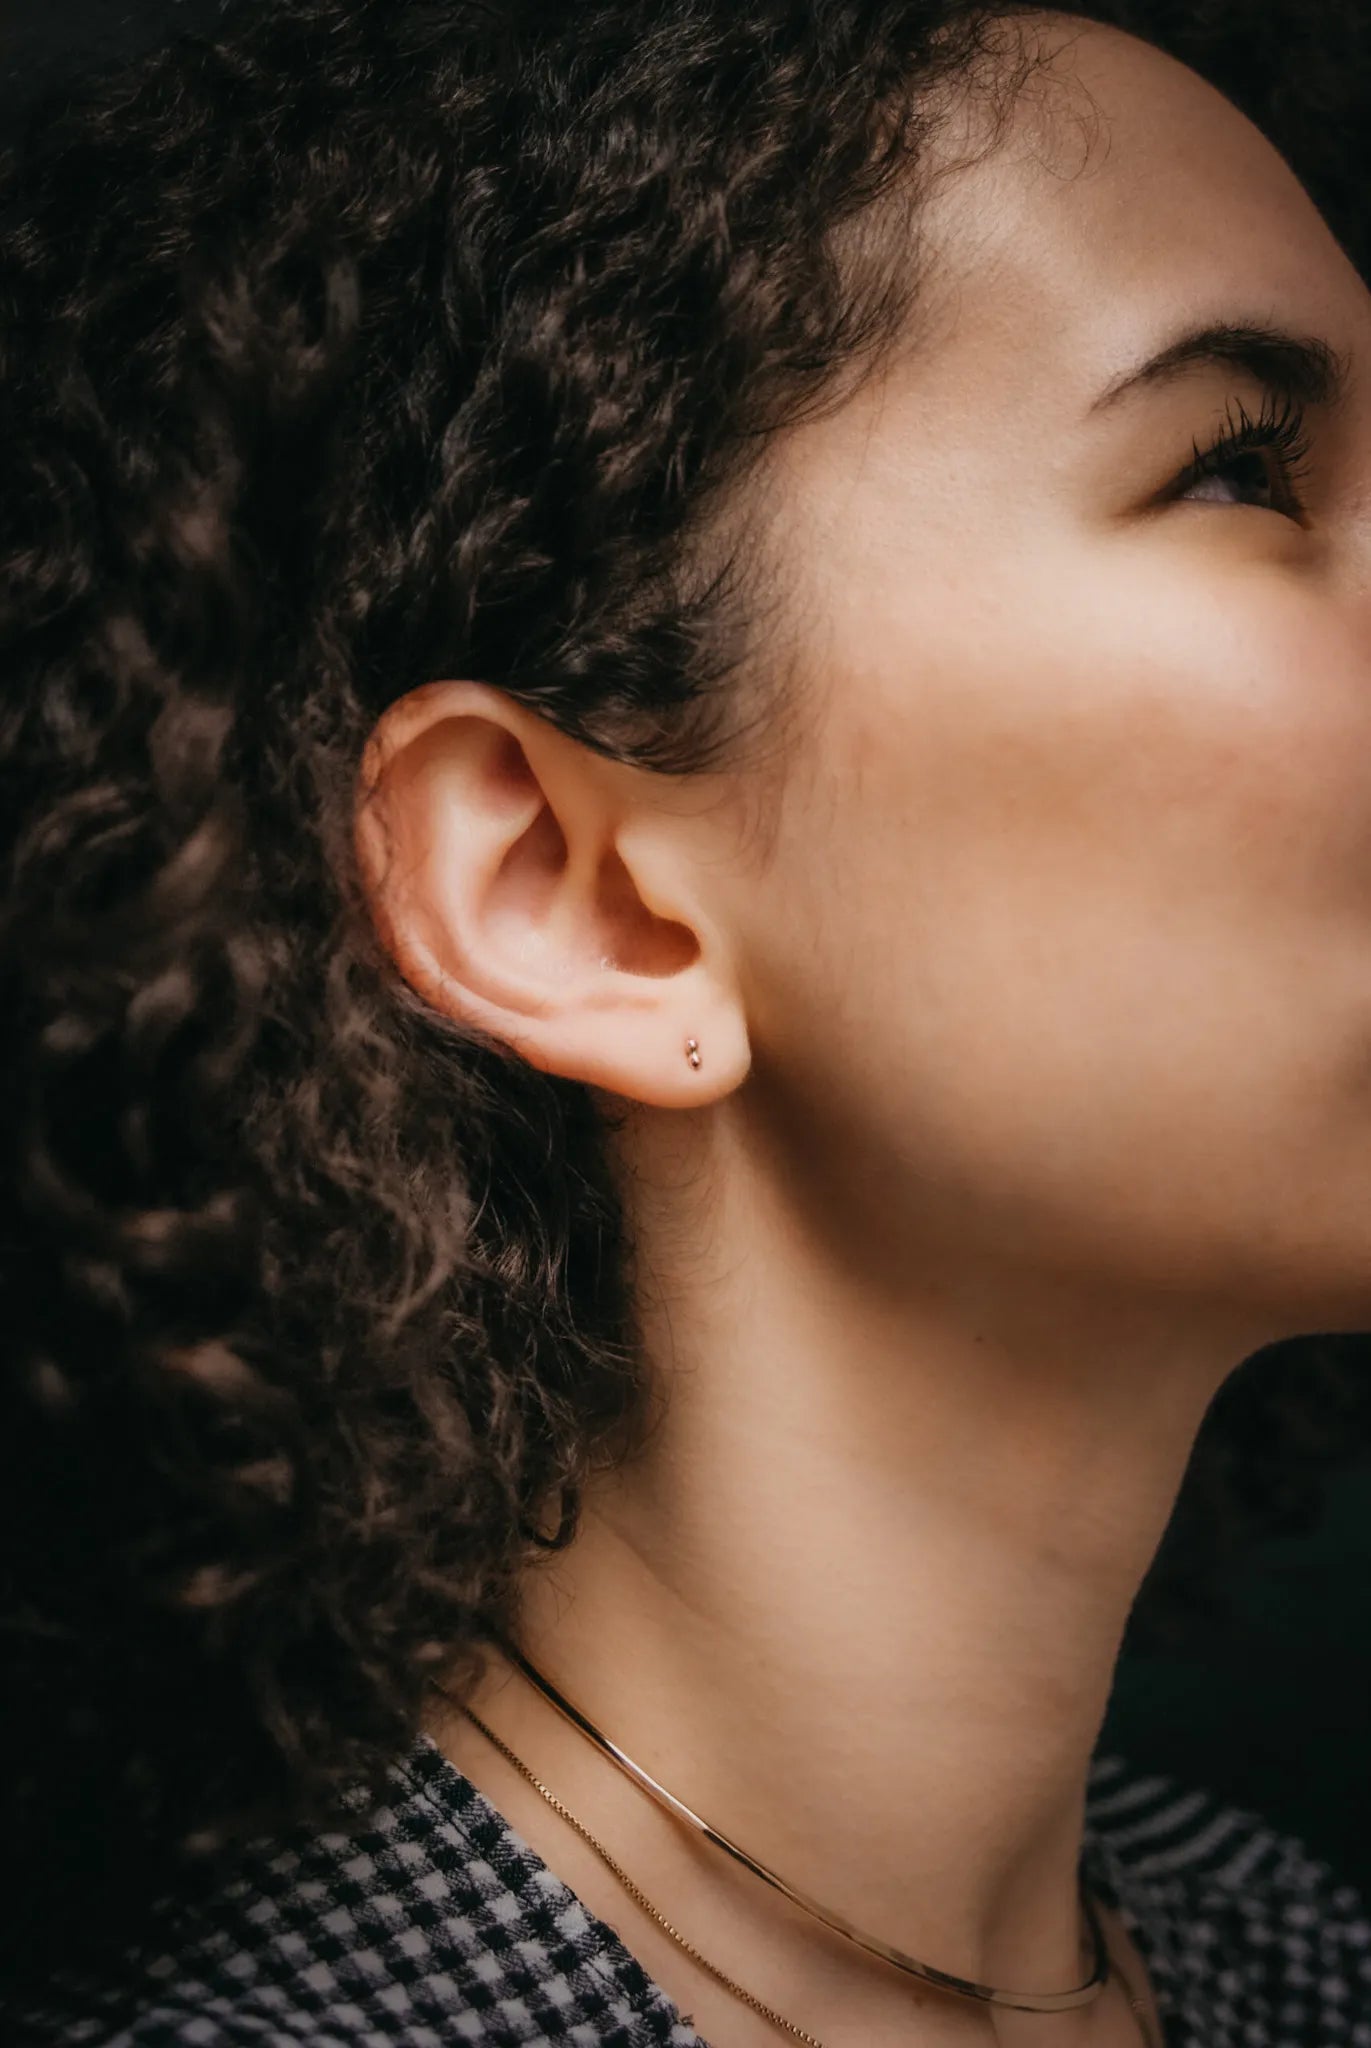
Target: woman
686 955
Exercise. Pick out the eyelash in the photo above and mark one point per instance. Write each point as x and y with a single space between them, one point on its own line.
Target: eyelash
1283 428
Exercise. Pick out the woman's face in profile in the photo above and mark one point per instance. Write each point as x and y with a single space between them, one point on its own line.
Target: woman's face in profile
1081 824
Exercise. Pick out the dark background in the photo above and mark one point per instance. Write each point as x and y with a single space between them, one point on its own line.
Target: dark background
1272 1708
42 41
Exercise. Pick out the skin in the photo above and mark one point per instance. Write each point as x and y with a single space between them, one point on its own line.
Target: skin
1035 1088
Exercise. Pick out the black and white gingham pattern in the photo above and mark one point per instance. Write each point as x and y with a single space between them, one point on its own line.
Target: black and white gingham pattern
1249 1941
428 1923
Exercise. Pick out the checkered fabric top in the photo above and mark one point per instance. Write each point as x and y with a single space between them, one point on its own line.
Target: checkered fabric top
428 1922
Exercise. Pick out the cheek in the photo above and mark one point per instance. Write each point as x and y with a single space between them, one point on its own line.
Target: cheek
1089 870
1177 739
1180 747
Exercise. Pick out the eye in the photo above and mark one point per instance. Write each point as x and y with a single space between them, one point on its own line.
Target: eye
1258 462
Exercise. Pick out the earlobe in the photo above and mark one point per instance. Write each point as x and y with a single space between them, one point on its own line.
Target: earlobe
527 888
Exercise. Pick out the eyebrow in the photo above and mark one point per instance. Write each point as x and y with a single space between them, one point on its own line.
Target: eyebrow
1303 369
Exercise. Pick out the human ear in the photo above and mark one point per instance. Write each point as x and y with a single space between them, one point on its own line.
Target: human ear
525 885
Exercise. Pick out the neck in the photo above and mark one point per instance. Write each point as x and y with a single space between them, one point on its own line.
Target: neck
859 1600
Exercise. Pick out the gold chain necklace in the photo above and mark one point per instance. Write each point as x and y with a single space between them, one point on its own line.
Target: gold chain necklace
640 1898
778 2020
886 1952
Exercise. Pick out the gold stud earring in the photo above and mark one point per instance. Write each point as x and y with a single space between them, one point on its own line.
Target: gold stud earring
693 1051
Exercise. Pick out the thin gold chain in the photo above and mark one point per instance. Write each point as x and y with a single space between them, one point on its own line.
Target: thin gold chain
1135 2004
870 1944
731 1984
640 1898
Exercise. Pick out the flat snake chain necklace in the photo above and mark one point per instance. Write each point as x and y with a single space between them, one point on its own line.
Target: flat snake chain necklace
1058 2001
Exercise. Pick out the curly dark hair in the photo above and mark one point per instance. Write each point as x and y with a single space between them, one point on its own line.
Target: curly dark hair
357 343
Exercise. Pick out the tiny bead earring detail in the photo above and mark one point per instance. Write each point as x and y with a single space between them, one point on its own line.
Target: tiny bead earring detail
693 1051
